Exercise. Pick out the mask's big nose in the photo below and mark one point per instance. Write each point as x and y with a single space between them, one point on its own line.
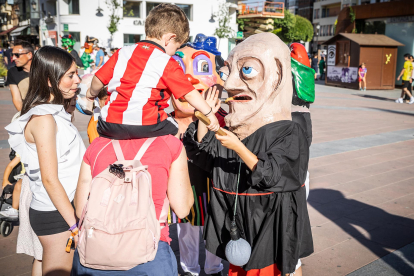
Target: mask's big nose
192 79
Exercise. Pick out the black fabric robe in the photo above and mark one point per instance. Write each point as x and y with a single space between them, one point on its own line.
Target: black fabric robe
271 212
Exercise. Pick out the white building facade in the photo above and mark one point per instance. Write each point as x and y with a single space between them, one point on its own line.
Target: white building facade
81 18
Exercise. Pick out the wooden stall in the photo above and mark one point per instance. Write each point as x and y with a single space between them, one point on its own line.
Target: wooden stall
346 52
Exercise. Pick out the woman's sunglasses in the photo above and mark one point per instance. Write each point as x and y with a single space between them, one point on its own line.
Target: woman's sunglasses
18 54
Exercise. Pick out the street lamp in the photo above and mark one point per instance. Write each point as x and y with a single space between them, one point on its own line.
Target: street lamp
34 4
317 36
212 16
99 13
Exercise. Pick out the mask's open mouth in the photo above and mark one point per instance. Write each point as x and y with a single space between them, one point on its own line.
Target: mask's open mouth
239 99
184 101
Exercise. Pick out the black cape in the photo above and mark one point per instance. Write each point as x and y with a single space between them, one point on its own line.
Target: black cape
271 212
78 61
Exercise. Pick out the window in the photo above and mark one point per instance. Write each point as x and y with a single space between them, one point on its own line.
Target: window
342 53
316 14
73 6
187 9
131 39
132 9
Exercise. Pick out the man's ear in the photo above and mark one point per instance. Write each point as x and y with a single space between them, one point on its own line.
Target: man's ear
30 55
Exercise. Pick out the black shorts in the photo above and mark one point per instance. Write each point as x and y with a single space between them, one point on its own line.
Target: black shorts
47 222
406 84
127 132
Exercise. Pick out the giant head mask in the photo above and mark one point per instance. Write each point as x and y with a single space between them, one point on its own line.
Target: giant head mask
257 76
200 61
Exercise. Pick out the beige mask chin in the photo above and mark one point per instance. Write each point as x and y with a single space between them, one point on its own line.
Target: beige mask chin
258 79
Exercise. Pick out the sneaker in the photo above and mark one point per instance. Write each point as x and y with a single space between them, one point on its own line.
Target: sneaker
10 213
399 100
412 100
360 89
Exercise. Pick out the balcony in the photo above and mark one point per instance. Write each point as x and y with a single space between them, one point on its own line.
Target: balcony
262 9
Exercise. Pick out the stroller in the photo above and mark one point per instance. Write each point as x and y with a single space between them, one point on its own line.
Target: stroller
6 199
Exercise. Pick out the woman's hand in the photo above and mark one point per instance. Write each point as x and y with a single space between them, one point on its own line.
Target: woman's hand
211 96
230 141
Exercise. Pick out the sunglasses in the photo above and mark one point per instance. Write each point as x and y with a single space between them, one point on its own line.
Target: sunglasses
18 54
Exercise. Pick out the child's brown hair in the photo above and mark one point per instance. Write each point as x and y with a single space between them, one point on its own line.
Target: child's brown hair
167 18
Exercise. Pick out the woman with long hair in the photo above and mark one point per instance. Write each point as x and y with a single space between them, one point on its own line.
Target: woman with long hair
51 149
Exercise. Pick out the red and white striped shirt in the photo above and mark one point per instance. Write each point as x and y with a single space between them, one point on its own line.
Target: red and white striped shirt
141 79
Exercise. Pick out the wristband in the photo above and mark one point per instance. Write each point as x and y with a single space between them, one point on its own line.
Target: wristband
209 112
73 227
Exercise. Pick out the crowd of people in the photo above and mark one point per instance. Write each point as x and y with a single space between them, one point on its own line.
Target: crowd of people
78 207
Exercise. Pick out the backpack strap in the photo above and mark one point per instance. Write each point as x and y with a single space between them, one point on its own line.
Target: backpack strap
118 150
93 167
144 148
164 212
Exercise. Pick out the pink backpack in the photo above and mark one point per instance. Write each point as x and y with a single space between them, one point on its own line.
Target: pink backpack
120 229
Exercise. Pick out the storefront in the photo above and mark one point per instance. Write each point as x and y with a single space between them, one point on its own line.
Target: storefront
346 52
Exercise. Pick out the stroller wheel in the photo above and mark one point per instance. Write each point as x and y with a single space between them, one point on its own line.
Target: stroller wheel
6 228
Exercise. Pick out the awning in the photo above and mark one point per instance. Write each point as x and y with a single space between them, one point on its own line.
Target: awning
8 31
18 31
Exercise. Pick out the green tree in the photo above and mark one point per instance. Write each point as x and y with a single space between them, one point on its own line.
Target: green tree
293 28
114 18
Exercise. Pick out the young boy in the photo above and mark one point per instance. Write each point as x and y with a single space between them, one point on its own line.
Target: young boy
142 77
406 79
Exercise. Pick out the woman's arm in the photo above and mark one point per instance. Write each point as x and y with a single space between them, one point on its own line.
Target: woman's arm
179 189
83 188
43 129
9 169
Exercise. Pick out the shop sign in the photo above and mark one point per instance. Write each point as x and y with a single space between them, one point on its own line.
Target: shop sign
66 27
139 22
401 19
239 35
342 74
331 60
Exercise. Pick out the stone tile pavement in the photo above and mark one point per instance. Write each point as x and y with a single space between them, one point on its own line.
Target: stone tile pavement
361 202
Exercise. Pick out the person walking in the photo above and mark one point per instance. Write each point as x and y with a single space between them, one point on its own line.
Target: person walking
322 68
406 74
314 64
362 77
99 58
7 57
51 148
18 76
170 180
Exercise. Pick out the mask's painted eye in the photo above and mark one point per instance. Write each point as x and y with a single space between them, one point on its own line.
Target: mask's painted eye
180 62
249 72
202 66
223 76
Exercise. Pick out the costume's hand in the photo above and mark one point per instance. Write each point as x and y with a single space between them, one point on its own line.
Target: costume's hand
211 96
230 141
214 123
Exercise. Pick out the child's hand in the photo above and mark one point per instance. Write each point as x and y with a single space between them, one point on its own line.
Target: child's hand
230 141
5 184
211 96
214 124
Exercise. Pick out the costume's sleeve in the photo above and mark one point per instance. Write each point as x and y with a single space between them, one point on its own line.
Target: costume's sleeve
106 72
283 167
201 154
175 79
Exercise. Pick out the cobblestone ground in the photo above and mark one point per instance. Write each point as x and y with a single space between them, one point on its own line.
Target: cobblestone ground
361 202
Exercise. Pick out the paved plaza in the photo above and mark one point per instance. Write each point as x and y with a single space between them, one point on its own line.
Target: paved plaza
361 201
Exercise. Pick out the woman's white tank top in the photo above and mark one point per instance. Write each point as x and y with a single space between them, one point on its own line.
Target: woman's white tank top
69 147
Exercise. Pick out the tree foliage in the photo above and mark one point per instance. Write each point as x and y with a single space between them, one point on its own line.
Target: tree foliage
114 18
293 28
224 29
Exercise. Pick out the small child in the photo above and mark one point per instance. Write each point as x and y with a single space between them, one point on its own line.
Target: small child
362 77
141 79
13 211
